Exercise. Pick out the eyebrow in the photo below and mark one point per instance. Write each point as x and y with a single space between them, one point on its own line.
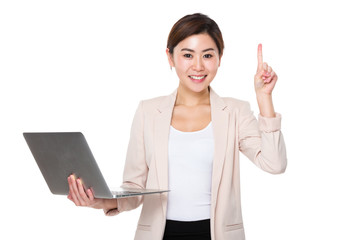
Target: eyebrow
190 50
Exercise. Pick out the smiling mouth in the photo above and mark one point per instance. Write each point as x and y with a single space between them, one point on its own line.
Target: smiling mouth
197 78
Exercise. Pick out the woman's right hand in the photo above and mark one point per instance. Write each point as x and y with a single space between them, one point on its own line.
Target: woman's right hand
82 197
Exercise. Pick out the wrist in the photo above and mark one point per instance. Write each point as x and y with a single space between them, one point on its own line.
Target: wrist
266 106
110 203
261 94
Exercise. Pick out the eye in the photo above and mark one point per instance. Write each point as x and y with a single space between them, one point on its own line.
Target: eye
187 55
207 56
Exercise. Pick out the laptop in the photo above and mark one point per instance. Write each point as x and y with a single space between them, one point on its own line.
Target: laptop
61 154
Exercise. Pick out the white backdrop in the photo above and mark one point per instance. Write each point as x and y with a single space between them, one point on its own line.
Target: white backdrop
85 65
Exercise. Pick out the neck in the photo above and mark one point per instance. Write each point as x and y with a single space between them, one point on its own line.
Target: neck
190 98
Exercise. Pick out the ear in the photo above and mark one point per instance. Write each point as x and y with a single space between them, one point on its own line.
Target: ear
170 58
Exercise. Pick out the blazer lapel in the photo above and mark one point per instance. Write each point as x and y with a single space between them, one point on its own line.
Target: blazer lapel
161 138
220 121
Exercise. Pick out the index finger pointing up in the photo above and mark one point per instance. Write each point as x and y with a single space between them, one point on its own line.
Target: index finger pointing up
259 56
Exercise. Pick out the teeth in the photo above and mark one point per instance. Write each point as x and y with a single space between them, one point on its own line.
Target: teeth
197 78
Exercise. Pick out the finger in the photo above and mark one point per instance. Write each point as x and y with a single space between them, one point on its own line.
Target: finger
72 191
269 71
259 57
76 191
69 196
265 67
90 194
84 197
270 78
266 80
273 76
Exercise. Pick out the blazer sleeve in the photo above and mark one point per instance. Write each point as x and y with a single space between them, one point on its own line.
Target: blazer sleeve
262 141
136 169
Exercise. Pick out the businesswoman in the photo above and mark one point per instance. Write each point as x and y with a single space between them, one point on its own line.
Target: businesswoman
189 142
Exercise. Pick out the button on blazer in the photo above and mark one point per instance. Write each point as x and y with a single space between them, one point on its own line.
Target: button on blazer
235 130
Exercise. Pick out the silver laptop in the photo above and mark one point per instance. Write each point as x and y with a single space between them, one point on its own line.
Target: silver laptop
59 155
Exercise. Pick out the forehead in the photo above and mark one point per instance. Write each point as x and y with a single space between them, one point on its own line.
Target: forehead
197 42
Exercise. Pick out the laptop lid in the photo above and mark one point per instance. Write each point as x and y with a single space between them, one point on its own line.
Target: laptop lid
61 154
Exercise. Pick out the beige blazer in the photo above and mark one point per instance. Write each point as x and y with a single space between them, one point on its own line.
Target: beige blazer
235 129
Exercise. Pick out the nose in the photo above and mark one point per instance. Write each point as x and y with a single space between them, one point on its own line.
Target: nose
198 64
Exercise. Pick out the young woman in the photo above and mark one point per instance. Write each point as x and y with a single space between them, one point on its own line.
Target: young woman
189 142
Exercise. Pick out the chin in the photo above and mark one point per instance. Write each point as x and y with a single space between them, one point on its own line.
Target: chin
198 88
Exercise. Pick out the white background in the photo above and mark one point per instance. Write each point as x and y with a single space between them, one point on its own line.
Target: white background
85 65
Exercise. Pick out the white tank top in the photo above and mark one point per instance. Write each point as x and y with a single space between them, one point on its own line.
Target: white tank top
190 172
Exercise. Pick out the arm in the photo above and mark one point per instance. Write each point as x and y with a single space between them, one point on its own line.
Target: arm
262 141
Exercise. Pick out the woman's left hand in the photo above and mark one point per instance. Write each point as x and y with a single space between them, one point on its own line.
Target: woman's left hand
265 78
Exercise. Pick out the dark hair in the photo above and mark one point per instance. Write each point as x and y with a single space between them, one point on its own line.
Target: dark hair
195 24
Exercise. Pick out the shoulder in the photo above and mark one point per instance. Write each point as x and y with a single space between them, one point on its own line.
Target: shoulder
239 108
156 104
152 103
228 103
234 104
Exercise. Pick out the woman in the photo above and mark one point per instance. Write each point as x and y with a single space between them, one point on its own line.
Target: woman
189 142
